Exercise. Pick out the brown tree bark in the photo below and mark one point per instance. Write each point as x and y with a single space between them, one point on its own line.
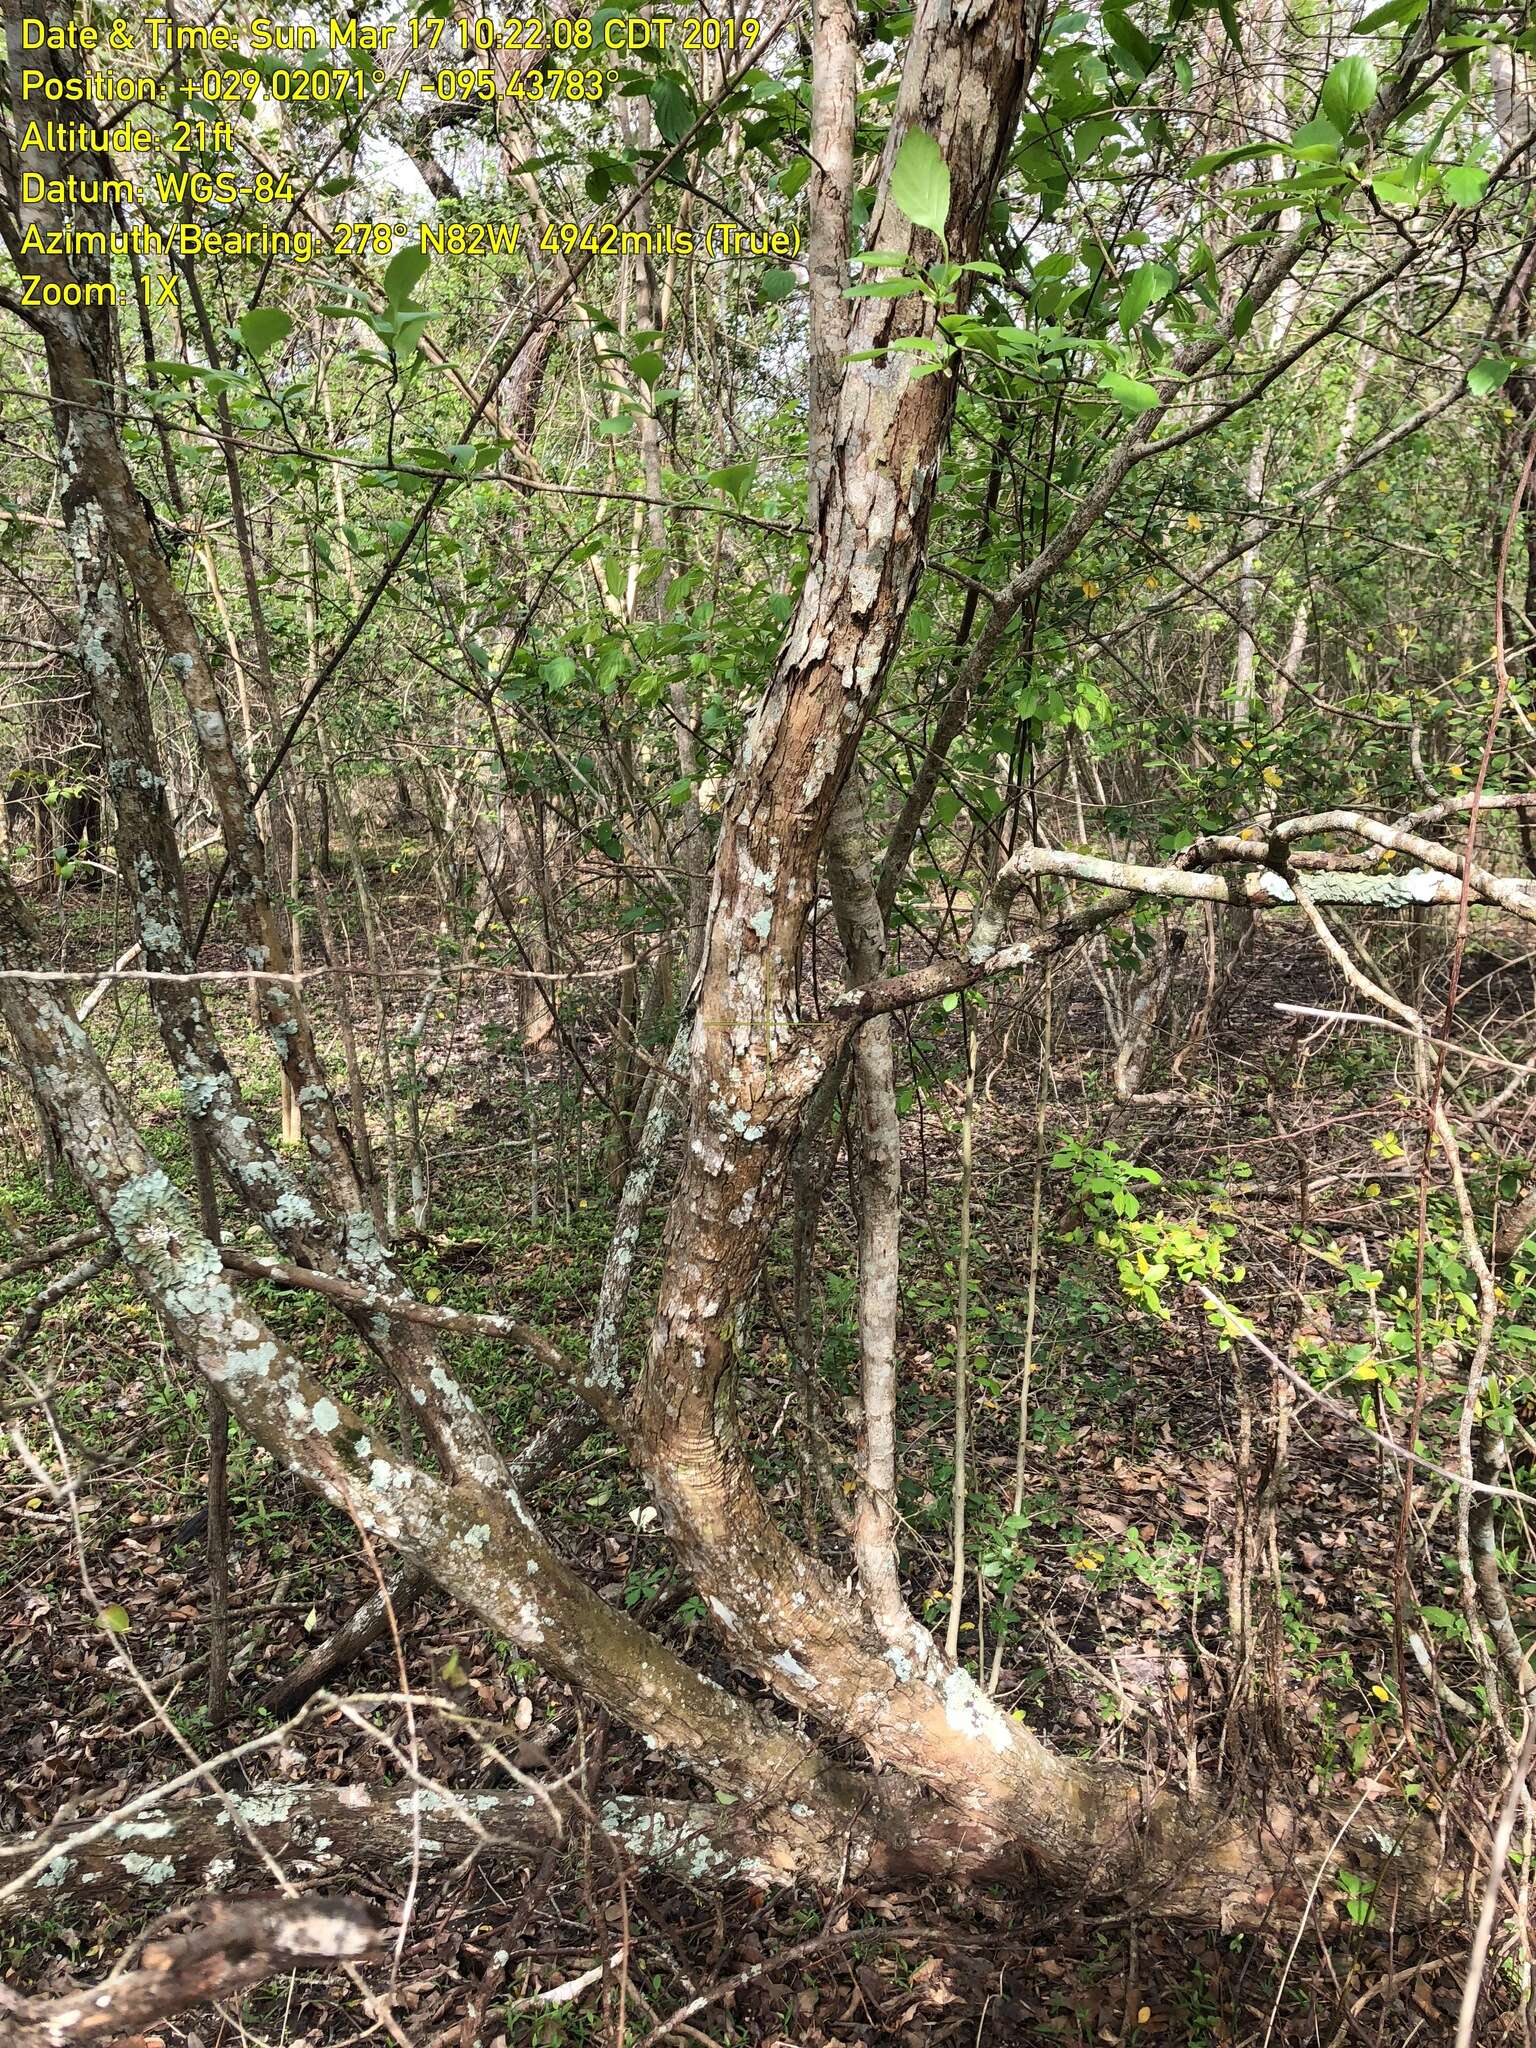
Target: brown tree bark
753 1067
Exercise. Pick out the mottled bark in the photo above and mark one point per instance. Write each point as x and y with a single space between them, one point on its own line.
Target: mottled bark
691 852
752 1068
79 372
475 1538
862 930
241 1942
150 860
316 1832
1149 999
105 515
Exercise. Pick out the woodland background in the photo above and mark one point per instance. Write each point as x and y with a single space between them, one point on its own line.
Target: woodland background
1100 596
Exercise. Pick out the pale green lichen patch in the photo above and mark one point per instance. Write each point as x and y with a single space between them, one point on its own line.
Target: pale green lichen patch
263 1809
251 1363
293 1211
153 1869
969 1711
653 1836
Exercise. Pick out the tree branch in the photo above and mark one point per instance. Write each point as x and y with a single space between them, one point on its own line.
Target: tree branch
240 1943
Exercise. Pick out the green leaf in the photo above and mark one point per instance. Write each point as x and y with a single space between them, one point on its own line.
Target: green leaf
1396 185
1464 184
793 180
1133 395
920 182
1348 90
1316 139
1488 375
1383 17
115 1620
674 108
407 331
735 480
1219 159
774 285
1130 43
403 275
262 329
648 366
1147 283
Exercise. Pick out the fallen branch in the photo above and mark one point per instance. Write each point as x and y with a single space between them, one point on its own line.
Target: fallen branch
1266 889
241 1942
50 1254
366 1625
56 1290
320 1830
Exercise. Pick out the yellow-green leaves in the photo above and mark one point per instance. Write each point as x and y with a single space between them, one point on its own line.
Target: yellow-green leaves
1132 394
1488 375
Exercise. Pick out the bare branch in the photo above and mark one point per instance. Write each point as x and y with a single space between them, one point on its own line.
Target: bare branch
240 1943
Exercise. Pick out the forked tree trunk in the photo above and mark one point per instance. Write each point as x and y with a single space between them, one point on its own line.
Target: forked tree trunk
965 1790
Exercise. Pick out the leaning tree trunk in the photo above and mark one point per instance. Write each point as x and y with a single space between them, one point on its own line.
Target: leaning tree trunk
878 444
966 1790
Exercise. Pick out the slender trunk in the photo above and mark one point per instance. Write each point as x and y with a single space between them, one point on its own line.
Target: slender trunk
1032 1290
962 1352
863 935
218 1471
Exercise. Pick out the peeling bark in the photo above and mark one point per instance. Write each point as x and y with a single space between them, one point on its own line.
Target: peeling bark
751 1069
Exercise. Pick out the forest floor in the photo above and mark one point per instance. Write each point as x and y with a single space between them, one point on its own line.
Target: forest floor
1108 1590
